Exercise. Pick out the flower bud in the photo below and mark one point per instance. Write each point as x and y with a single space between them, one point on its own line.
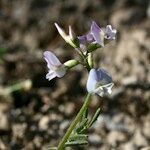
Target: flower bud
71 63
90 60
68 38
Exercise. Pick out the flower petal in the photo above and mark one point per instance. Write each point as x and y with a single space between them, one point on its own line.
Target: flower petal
91 82
90 37
103 77
50 75
51 59
82 39
71 33
95 27
99 82
97 33
61 32
110 33
99 91
104 90
61 71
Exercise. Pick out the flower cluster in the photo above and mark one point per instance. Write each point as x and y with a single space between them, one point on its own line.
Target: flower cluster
99 81
97 35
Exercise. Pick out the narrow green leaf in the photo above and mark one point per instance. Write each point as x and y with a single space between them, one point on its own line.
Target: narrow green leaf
84 130
76 42
94 118
78 137
81 125
85 114
74 143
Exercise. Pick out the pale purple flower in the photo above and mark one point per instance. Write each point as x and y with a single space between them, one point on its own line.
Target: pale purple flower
99 82
56 68
97 35
110 33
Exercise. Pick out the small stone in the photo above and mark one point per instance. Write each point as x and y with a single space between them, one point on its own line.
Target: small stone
129 80
64 125
105 147
127 146
115 136
69 108
19 130
146 148
95 139
4 121
4 125
2 145
146 127
38 141
139 139
43 123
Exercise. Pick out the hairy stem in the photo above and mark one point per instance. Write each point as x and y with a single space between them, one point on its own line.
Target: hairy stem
61 145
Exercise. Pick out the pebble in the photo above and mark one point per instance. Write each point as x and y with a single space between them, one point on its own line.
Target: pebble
4 121
115 136
43 123
19 130
95 139
128 146
139 139
69 108
4 125
64 125
146 127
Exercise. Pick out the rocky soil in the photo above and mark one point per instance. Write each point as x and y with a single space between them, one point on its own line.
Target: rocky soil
35 113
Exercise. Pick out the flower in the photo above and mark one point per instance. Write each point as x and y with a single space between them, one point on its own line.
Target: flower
110 33
56 68
68 38
97 35
99 82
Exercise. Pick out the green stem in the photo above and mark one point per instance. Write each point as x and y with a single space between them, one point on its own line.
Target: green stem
61 145
90 60
84 58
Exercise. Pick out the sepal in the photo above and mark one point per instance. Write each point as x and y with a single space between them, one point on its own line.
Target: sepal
92 47
94 118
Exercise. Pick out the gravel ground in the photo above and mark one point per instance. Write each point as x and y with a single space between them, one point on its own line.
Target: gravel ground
37 115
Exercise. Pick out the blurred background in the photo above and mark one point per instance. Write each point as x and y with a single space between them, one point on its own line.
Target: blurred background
35 113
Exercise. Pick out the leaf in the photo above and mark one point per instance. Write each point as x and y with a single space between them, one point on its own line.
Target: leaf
3 50
81 125
85 114
78 137
74 143
94 118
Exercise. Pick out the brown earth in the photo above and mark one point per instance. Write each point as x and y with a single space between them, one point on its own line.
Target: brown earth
35 117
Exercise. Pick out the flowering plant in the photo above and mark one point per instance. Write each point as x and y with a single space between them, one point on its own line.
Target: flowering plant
99 81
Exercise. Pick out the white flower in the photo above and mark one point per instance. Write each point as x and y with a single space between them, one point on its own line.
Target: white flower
99 82
56 68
